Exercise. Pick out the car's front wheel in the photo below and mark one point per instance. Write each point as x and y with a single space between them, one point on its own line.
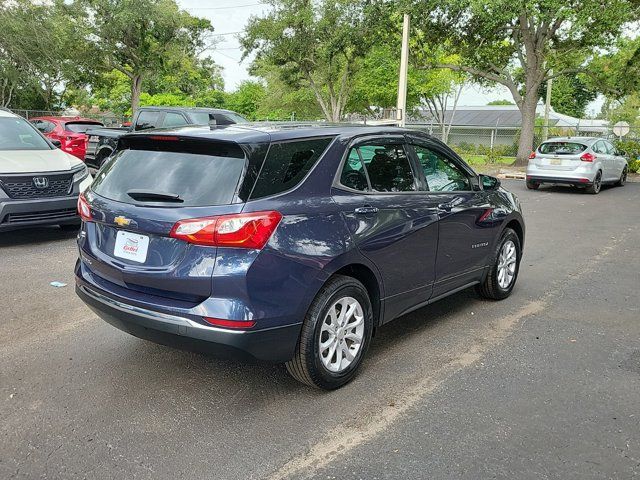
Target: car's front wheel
503 273
335 335
531 185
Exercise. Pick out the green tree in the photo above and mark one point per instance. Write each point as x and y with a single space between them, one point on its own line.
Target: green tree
247 99
41 53
500 102
570 95
316 44
502 42
140 37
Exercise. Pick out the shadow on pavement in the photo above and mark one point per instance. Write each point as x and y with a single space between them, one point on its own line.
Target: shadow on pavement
34 236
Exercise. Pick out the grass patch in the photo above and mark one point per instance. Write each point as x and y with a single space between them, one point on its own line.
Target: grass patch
479 160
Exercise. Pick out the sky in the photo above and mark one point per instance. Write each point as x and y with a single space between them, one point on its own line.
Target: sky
229 18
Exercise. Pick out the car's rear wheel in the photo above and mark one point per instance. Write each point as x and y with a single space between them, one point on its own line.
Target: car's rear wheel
503 273
531 185
623 177
595 187
335 335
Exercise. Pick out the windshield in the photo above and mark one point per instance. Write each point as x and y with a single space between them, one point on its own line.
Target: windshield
82 127
562 148
18 134
187 179
222 118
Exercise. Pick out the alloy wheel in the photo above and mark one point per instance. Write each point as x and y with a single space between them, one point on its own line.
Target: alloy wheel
341 334
507 264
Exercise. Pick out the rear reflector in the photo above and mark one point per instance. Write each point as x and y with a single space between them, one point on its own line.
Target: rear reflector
588 157
84 210
218 322
243 230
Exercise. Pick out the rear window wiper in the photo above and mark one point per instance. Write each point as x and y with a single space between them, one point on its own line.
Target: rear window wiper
151 196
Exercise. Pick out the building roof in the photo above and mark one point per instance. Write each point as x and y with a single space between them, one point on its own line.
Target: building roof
505 116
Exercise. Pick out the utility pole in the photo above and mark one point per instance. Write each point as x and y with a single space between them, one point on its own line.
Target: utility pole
401 107
547 107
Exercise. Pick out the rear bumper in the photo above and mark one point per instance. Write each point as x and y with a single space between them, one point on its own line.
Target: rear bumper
273 345
559 180
16 214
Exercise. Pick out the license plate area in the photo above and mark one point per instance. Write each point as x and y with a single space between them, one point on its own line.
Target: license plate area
131 246
556 161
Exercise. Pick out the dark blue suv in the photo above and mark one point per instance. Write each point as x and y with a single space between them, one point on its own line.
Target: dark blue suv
286 243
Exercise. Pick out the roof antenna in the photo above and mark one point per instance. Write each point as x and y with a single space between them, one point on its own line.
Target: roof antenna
212 122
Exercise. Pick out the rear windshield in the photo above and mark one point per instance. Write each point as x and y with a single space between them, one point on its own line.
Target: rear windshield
18 134
562 148
81 127
192 179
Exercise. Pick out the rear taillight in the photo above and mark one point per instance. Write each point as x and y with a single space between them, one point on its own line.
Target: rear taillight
243 230
532 155
84 210
588 157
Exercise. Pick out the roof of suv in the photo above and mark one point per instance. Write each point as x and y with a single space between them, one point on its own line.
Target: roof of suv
268 132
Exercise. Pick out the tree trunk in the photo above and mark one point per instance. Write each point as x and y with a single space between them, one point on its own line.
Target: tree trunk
136 90
527 129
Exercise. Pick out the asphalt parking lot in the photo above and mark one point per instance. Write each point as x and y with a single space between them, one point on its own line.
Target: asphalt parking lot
545 384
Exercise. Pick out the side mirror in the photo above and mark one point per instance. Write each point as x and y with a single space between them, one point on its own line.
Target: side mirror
56 143
489 183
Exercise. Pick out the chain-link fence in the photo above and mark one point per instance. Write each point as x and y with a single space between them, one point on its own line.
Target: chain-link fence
503 140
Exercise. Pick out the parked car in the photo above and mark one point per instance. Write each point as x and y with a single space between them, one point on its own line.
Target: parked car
579 161
102 142
39 183
70 131
287 244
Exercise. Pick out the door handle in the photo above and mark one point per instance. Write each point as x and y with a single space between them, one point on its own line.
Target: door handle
366 209
445 207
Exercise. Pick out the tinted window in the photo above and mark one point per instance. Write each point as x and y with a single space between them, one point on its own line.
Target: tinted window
611 150
441 173
81 127
197 179
18 134
174 120
388 168
287 164
562 148
147 120
353 174
226 118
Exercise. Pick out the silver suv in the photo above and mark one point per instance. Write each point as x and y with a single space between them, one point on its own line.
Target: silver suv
580 161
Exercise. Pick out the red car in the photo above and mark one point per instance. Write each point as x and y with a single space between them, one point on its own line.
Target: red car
69 130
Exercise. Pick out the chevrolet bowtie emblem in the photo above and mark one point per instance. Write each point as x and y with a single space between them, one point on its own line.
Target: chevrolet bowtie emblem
122 221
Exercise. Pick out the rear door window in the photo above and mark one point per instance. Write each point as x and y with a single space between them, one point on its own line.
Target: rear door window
208 177
388 167
287 163
562 148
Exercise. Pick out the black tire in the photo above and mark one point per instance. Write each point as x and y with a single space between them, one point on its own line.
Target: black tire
596 186
532 185
623 178
306 365
491 288
102 157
